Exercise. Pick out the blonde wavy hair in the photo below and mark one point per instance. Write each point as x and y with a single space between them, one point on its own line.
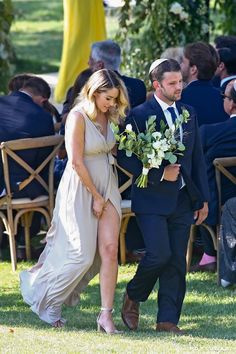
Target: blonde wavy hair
102 81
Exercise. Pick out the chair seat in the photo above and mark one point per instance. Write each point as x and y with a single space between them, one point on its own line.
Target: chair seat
19 203
126 206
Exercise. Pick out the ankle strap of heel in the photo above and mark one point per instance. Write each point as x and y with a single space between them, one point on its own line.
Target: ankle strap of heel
107 309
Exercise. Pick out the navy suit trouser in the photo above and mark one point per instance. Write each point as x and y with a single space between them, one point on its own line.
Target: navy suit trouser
166 239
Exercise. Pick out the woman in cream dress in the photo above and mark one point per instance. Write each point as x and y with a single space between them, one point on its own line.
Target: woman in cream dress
87 212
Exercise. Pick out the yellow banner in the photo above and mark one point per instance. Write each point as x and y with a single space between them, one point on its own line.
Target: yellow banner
84 23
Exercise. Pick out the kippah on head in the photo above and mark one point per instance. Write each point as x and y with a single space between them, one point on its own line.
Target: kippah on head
156 63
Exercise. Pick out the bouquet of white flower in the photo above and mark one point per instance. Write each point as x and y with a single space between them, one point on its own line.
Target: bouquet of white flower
152 147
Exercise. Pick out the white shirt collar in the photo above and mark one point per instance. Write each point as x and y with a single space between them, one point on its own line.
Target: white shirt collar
26 93
191 82
233 115
163 104
228 78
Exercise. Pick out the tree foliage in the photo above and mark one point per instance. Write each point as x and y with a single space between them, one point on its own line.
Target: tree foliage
227 9
6 50
147 28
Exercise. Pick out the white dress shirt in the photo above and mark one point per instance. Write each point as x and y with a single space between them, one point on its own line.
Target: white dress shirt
164 107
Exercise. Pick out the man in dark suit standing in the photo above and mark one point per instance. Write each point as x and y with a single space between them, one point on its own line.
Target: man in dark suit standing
199 64
222 41
107 54
175 196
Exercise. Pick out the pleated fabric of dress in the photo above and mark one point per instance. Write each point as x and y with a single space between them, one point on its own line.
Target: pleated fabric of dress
70 259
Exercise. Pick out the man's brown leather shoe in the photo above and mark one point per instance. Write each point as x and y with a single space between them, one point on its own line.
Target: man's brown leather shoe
210 267
130 313
168 327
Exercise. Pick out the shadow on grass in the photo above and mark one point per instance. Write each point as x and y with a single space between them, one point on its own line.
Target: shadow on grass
200 318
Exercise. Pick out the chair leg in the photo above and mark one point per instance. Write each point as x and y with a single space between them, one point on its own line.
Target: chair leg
190 246
12 243
27 222
123 229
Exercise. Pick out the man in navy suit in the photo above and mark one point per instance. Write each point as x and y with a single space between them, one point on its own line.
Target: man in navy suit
22 117
175 196
218 140
198 66
107 54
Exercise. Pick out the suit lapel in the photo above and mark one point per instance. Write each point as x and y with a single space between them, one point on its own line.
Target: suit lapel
158 112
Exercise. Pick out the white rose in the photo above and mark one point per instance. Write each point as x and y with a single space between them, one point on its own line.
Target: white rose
156 162
161 154
205 28
152 155
183 15
129 128
156 135
176 8
3 52
156 145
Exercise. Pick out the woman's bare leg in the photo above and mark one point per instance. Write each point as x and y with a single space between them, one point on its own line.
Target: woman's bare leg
108 234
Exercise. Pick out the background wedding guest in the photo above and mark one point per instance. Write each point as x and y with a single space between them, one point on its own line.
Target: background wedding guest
18 81
107 54
74 91
21 116
222 41
226 69
198 66
87 211
218 140
72 94
176 53
227 256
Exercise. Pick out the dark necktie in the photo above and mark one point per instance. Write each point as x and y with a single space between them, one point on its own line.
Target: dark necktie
173 114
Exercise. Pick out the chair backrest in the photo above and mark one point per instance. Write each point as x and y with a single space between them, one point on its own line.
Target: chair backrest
128 180
221 167
10 150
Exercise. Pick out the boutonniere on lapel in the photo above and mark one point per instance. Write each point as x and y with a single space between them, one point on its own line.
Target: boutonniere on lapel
151 147
183 117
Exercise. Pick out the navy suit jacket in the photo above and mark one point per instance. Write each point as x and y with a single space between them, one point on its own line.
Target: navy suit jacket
206 100
218 140
160 197
21 118
136 90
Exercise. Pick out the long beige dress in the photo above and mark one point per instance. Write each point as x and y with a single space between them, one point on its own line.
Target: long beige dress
69 260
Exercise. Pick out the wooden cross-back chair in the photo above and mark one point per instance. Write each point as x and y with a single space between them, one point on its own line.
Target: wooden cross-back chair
13 210
126 212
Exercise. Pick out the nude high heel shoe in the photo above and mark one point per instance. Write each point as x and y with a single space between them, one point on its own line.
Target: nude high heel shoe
101 327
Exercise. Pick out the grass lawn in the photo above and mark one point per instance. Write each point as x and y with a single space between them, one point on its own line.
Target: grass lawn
208 318
37 34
